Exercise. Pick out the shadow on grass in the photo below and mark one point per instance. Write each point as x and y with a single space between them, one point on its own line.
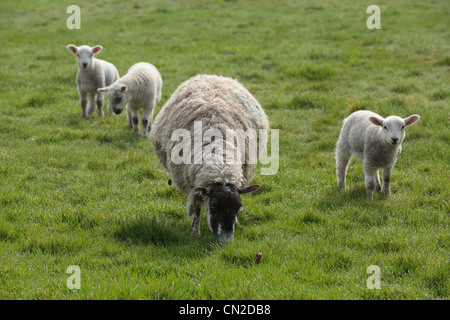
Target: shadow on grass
157 229
334 197
354 205
104 130
162 231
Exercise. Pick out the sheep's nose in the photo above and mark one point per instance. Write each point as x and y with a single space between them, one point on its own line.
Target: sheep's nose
85 64
117 111
394 140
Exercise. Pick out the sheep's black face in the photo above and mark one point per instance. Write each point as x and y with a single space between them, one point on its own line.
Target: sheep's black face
222 205
117 100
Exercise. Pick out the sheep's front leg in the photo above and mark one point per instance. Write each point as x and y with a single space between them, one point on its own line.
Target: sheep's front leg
370 179
146 121
196 221
100 100
134 113
386 190
342 161
193 209
129 118
83 103
91 104
377 185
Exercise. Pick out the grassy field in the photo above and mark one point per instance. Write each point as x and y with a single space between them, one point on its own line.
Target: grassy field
92 194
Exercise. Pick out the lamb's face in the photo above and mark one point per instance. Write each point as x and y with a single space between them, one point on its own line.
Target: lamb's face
393 128
84 57
118 97
85 54
222 204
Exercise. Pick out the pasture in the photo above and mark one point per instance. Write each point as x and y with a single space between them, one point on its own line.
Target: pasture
92 194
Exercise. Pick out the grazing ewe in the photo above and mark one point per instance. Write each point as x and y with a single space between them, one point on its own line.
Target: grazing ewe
218 104
92 74
375 141
140 88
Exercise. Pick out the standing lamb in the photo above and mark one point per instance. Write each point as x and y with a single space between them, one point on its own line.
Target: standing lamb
375 141
141 89
92 74
216 104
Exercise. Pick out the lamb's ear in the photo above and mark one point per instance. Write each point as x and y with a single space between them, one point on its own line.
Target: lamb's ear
96 49
204 191
376 121
72 48
248 189
123 88
105 89
411 119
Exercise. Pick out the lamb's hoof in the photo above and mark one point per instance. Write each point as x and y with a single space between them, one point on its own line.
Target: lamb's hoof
341 185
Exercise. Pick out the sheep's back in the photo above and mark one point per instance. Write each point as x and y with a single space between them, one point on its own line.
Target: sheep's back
218 102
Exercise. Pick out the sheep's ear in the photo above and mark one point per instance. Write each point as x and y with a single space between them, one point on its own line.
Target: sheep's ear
123 88
72 48
204 191
411 119
96 49
105 89
248 189
376 121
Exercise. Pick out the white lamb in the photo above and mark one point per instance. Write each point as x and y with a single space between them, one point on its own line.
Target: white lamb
218 104
375 141
140 88
92 74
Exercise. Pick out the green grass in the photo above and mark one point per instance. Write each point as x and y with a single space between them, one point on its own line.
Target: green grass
92 194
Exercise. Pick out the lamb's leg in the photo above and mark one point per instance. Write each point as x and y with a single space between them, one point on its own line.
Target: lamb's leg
146 121
369 179
342 161
386 190
100 100
129 118
134 112
109 108
83 103
377 185
91 104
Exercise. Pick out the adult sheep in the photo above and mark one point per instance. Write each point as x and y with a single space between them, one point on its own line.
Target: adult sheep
212 103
